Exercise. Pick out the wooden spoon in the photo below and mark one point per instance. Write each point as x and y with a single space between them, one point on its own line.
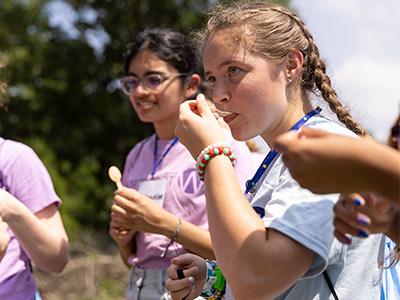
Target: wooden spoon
115 175
222 113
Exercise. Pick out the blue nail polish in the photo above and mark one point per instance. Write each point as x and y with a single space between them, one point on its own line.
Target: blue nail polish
362 221
361 233
357 202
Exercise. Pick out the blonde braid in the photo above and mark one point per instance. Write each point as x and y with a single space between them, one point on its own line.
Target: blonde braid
314 72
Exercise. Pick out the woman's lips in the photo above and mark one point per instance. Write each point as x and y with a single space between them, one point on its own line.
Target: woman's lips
229 118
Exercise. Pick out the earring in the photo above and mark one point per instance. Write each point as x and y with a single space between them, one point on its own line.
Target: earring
289 79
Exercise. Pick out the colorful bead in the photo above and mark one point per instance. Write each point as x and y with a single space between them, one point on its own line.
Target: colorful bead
211 151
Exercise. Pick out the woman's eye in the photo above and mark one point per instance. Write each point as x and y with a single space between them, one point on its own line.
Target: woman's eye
211 80
233 71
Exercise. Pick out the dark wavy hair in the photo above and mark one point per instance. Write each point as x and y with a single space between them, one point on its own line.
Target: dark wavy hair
168 45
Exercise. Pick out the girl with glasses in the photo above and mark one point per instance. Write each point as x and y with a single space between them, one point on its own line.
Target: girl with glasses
161 210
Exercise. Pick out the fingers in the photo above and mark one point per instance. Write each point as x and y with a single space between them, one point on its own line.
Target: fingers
342 238
312 133
348 220
183 260
179 287
284 141
202 105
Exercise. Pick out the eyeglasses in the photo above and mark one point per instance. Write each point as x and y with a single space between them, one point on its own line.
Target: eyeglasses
150 82
396 133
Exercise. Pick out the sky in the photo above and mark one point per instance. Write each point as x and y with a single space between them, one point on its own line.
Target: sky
360 42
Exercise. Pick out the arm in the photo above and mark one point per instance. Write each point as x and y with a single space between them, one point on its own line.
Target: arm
124 239
4 238
136 211
239 237
325 163
42 235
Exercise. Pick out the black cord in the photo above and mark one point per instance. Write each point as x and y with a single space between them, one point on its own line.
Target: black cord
328 281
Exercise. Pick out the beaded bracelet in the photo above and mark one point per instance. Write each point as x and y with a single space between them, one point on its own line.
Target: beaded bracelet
215 285
211 151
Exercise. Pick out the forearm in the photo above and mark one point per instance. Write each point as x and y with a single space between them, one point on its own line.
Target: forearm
236 231
195 239
45 241
269 262
190 236
386 171
126 250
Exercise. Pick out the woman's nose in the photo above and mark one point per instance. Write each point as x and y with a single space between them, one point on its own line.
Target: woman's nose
141 90
220 94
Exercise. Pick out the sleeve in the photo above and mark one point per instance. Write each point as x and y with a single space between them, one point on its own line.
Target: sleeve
303 216
26 177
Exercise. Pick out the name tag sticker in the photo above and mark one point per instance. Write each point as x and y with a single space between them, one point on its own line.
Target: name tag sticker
154 189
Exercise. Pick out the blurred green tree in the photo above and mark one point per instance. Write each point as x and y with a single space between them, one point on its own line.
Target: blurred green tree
63 58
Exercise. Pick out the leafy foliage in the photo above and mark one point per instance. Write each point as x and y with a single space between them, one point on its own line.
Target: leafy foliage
65 100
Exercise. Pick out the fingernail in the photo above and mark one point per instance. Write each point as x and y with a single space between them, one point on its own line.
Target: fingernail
201 96
346 241
191 279
362 221
362 233
357 202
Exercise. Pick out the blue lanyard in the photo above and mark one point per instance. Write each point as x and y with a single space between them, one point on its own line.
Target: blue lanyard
251 184
156 164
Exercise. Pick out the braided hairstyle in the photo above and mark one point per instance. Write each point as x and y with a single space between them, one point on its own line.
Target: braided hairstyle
272 31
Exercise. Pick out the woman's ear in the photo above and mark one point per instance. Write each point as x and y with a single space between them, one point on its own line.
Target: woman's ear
191 85
294 64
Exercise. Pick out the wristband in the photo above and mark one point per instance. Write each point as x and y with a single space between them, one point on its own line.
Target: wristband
215 285
211 151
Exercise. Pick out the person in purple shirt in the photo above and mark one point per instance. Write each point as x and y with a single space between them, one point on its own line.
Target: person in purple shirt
161 210
29 206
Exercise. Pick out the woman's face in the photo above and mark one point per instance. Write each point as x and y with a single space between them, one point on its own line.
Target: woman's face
247 85
162 104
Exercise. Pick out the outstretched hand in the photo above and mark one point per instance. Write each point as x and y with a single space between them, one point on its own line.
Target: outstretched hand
198 126
194 270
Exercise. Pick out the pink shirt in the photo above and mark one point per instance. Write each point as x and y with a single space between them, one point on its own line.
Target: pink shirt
24 176
184 195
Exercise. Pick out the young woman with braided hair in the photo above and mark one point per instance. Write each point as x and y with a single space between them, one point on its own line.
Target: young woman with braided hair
263 64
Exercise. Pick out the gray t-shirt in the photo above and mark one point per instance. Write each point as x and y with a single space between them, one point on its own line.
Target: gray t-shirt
308 218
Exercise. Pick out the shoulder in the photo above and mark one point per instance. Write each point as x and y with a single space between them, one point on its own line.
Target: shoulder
324 123
13 151
142 145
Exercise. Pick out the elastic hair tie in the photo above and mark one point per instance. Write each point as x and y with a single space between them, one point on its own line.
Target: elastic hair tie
211 151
